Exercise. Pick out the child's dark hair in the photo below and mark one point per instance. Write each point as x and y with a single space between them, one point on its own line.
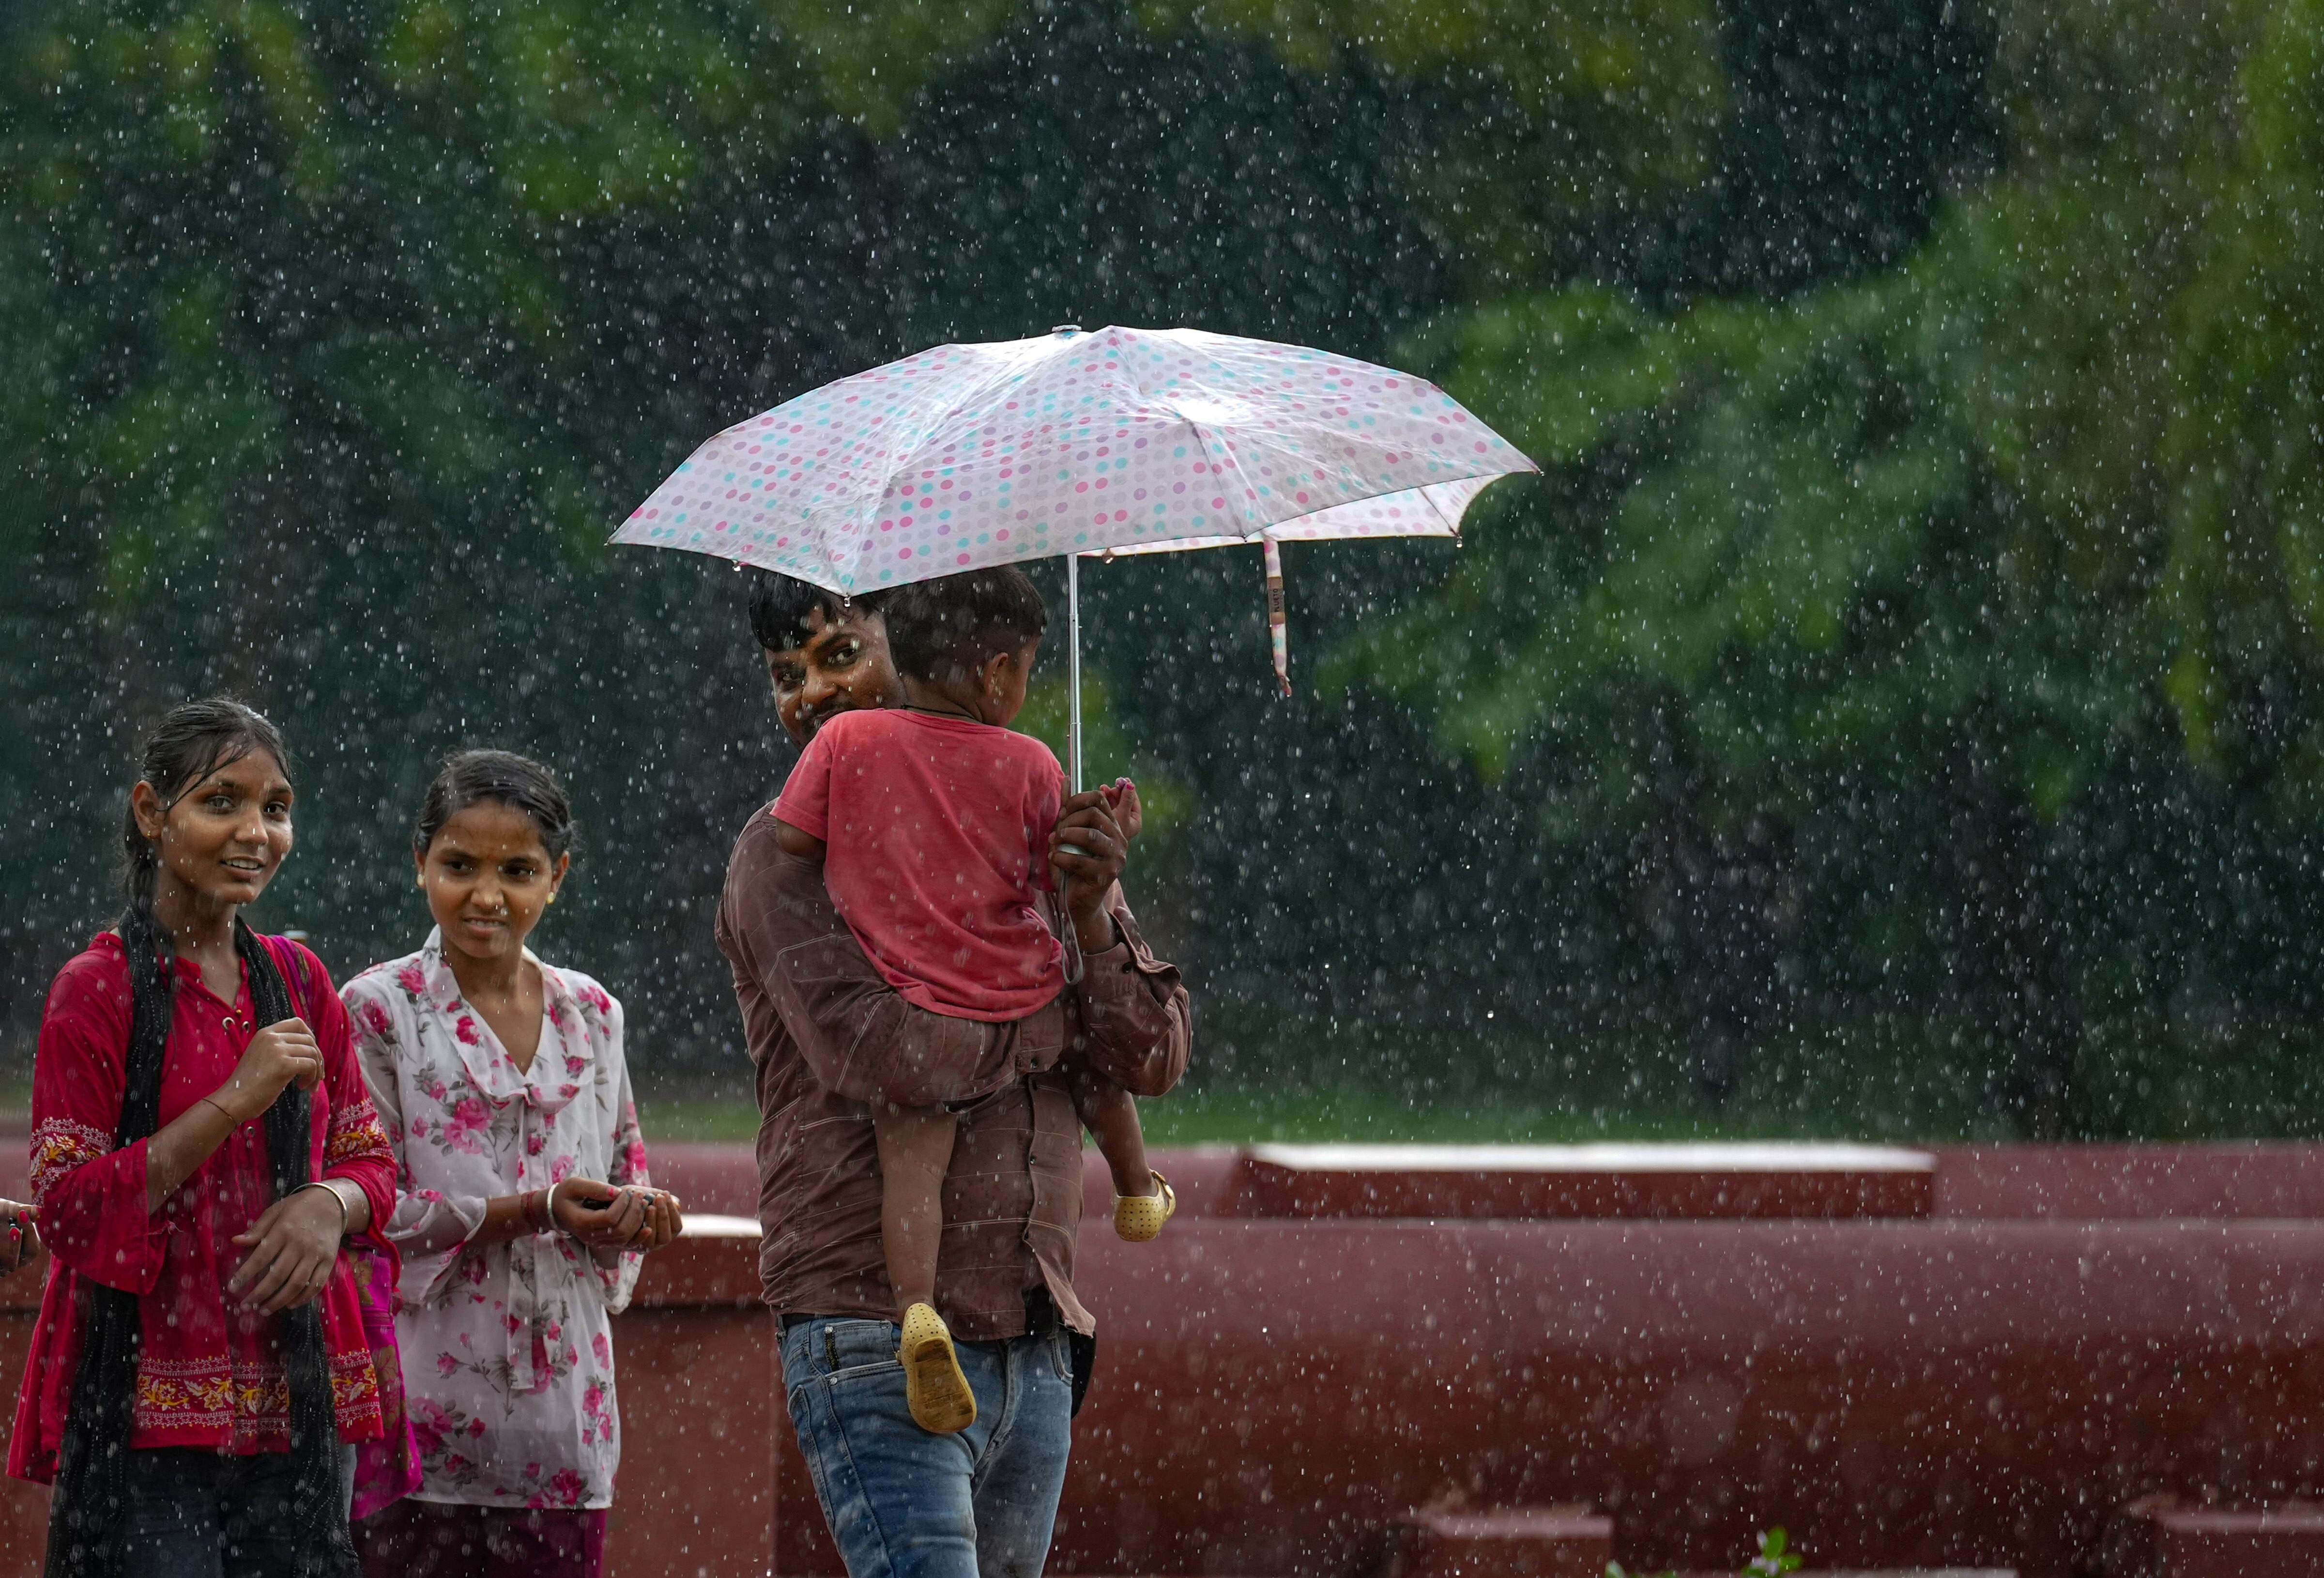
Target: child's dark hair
518 782
195 739
939 629
780 605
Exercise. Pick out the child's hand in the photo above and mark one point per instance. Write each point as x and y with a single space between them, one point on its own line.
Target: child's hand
1122 799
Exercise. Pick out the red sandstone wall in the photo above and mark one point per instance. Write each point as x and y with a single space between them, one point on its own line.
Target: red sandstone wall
1982 1385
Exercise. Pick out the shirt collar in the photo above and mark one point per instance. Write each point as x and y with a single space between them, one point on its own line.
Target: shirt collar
559 1068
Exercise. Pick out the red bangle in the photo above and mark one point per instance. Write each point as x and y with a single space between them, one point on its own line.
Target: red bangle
536 1207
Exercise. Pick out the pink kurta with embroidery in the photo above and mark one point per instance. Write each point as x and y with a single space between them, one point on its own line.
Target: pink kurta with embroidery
508 1349
210 1372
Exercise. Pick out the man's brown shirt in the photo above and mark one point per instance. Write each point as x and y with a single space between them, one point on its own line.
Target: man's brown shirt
829 1035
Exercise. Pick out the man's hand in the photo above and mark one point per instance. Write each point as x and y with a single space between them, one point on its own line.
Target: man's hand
1089 851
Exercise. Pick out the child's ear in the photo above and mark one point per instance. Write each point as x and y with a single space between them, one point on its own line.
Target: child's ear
151 815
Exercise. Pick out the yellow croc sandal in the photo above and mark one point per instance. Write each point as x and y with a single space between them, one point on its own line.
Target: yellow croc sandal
1139 1218
933 1387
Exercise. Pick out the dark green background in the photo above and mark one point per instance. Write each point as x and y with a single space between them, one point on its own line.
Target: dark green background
1890 713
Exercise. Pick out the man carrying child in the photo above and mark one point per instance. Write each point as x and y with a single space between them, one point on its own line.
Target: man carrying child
834 1041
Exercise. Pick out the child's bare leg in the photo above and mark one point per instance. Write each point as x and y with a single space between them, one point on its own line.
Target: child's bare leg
915 1148
1110 1115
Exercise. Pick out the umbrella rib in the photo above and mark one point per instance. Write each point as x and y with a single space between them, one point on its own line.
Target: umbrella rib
951 410
1152 400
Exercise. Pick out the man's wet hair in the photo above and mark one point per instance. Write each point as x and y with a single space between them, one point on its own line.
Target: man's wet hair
781 605
939 629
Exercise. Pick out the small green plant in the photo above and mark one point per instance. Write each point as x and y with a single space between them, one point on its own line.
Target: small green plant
1775 1559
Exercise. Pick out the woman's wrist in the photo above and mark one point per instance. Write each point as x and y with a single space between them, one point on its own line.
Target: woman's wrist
222 1099
325 1187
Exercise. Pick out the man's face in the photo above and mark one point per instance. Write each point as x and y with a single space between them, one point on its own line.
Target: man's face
842 664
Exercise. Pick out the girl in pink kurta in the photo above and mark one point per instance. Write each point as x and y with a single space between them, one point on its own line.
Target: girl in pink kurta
208 1374
202 1146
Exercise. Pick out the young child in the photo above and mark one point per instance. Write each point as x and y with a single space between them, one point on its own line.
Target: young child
933 822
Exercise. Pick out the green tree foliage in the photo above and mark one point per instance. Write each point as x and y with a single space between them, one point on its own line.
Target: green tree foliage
1980 589
333 341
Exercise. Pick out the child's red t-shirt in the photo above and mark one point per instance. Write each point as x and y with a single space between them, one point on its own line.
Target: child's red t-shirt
937 832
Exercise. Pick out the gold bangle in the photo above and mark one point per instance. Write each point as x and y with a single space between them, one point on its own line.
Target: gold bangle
346 1212
221 1106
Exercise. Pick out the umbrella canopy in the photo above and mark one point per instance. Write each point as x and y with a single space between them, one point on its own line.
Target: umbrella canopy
1122 440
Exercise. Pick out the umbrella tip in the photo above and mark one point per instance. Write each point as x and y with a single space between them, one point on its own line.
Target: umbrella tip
1066 328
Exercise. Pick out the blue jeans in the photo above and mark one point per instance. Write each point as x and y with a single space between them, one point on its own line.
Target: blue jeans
903 1503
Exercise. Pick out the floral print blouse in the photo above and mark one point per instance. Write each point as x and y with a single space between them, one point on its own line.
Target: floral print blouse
508 1352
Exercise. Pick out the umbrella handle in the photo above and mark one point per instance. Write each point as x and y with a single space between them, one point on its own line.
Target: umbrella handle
1073 668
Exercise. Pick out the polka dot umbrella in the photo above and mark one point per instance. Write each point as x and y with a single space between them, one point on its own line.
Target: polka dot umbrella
1125 441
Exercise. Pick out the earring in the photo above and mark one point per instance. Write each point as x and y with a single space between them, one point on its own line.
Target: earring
421 883
552 897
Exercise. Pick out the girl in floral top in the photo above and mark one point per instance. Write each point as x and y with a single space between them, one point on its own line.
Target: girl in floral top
521 1202
202 1147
